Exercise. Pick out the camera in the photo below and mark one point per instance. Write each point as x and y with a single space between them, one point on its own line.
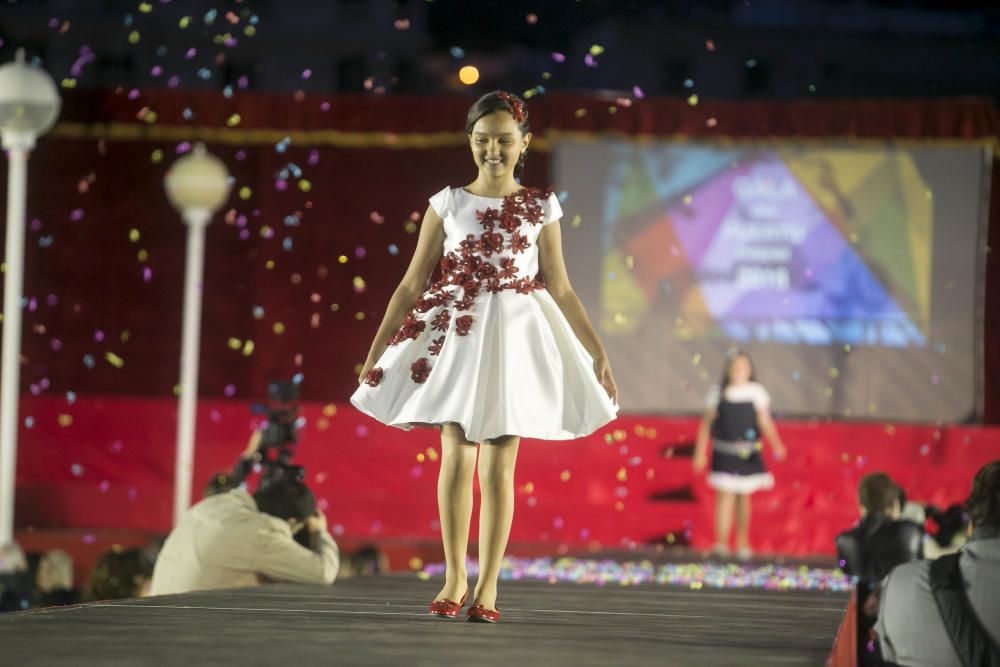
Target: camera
279 437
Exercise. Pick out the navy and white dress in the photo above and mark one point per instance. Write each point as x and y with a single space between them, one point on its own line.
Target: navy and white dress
737 463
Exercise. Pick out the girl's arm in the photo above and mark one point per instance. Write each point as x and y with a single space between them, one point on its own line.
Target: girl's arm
553 267
700 458
770 431
430 246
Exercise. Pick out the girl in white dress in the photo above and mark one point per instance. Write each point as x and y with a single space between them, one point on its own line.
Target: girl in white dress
499 347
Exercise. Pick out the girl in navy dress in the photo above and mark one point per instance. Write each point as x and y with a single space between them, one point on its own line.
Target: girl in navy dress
737 414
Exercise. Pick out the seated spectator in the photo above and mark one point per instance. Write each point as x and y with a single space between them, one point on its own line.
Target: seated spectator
367 560
952 531
946 613
53 575
17 591
881 540
120 574
234 539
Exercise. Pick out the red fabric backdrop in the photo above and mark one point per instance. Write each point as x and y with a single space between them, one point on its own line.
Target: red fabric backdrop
108 463
303 267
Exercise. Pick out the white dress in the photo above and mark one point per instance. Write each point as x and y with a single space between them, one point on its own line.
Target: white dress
486 346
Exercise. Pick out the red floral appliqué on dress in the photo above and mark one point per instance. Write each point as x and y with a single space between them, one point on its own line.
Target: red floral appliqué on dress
519 243
411 328
435 347
441 321
419 370
469 268
463 324
374 377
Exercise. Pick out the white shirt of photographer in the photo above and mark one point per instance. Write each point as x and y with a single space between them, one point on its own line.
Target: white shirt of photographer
225 542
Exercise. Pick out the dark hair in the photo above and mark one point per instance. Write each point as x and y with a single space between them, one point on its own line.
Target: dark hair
984 500
114 576
500 100
876 493
731 356
286 499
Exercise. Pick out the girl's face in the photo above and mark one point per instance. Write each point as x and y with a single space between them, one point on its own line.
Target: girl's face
496 142
740 370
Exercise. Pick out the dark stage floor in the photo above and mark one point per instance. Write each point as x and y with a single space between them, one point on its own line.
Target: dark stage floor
382 621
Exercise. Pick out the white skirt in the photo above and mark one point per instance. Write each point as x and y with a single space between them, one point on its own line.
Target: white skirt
723 481
520 370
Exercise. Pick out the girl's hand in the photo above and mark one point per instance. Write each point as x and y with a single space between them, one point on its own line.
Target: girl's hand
700 461
779 451
603 371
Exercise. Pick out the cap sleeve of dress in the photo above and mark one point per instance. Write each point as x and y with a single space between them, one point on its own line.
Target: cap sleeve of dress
712 399
761 399
553 210
440 202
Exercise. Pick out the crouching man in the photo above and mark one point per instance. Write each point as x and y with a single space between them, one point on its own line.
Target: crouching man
235 540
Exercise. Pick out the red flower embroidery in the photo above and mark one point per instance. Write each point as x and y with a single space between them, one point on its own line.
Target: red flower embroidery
486 271
410 328
525 285
420 369
471 288
469 245
435 347
494 286
509 221
488 218
374 377
441 321
519 243
448 263
491 242
464 304
424 304
463 324
508 269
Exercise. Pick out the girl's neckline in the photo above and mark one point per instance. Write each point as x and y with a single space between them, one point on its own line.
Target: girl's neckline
486 197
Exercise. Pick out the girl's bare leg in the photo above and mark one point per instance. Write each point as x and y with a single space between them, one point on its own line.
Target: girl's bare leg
458 463
724 501
743 521
496 512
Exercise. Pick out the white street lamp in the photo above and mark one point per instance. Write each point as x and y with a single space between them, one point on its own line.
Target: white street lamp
197 185
29 105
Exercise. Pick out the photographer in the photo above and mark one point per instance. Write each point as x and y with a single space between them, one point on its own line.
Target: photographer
234 540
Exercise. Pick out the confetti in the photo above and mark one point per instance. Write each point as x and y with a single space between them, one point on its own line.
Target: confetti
689 575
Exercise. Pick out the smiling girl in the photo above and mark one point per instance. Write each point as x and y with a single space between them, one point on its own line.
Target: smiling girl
498 348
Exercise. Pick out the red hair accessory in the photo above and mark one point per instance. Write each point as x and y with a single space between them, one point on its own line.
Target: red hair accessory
516 108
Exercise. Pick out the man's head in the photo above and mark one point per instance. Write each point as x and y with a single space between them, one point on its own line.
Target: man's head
878 494
984 501
287 499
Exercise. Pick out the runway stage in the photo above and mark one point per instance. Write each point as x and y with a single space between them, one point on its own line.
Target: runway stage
382 620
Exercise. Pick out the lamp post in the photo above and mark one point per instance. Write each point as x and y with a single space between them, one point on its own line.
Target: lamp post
29 105
197 185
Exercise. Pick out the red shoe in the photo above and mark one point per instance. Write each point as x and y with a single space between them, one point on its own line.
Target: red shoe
447 608
480 614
